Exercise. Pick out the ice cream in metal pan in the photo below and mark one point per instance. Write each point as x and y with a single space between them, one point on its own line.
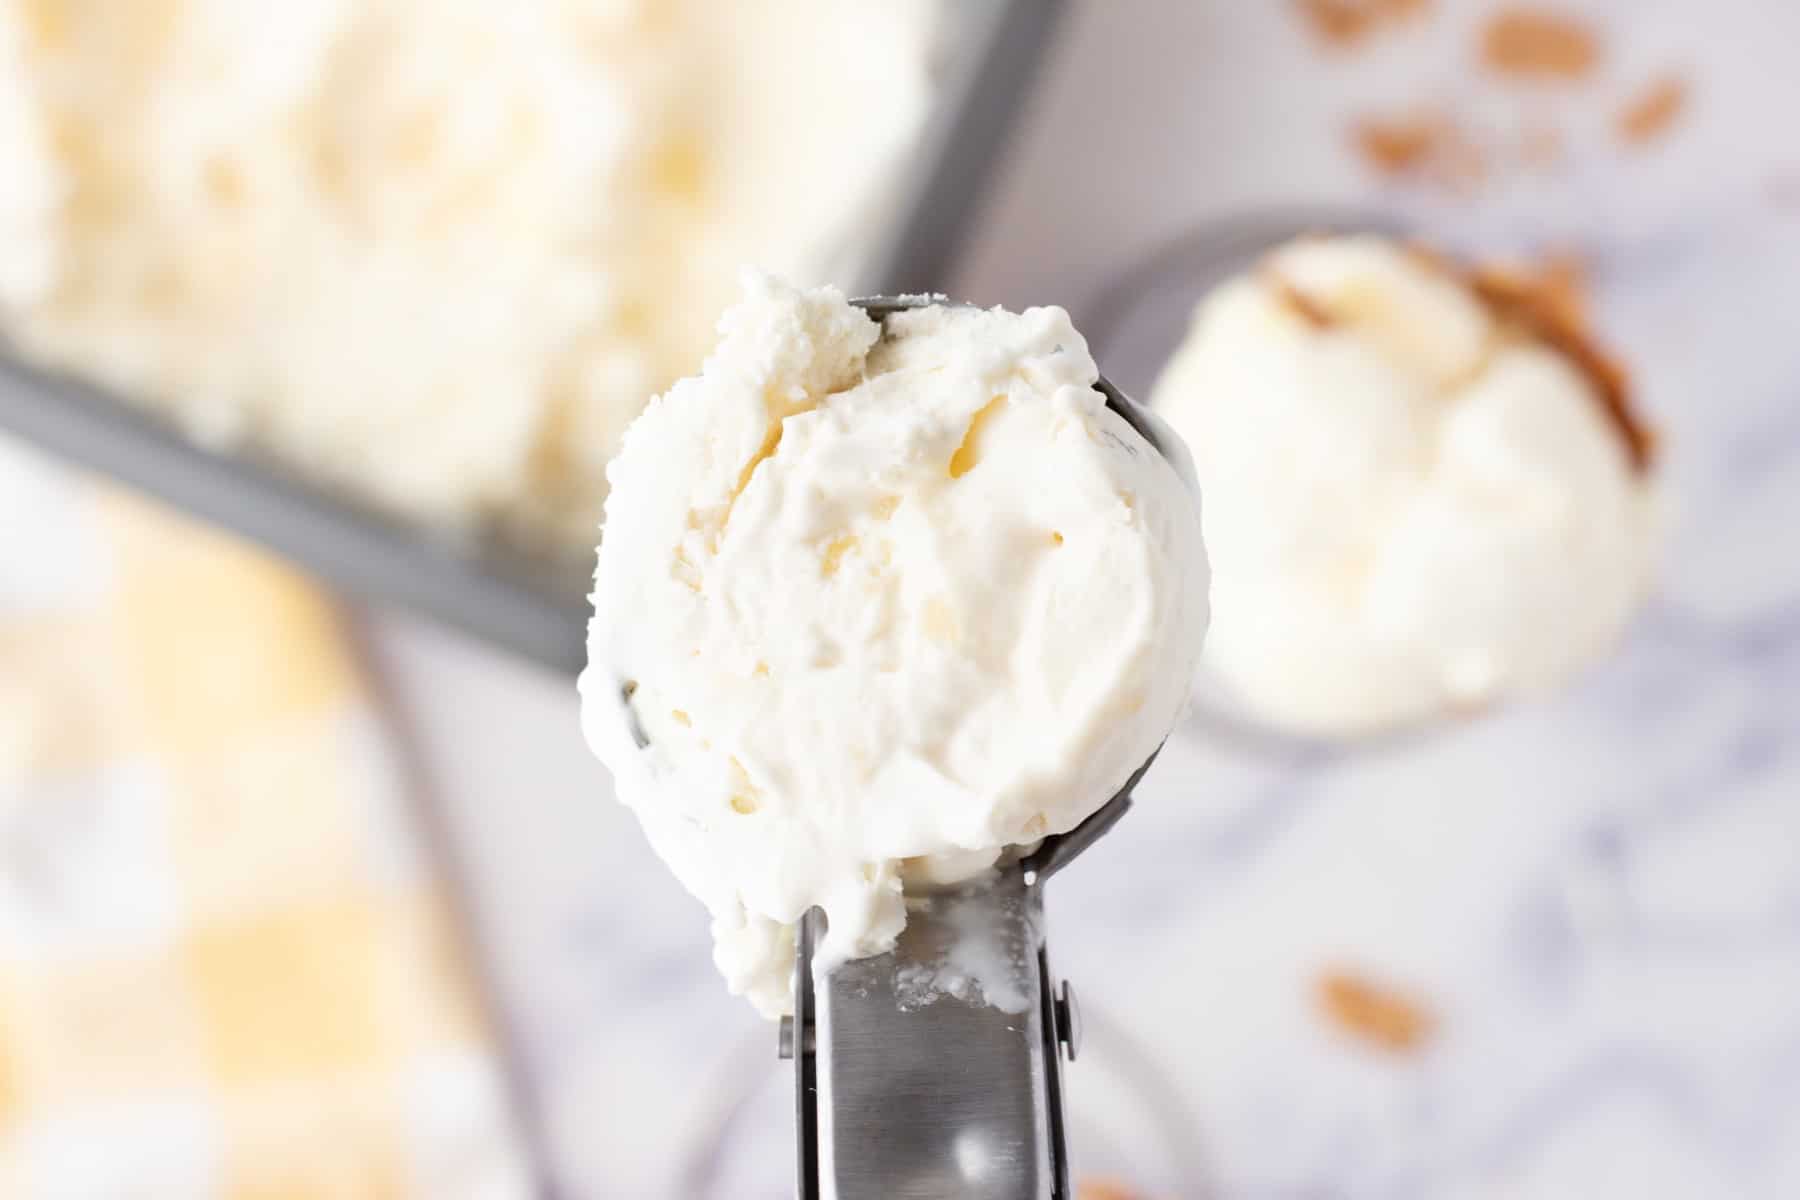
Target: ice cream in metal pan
422 531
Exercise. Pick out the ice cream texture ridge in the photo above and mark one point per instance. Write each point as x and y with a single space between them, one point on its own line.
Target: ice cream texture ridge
874 602
1423 495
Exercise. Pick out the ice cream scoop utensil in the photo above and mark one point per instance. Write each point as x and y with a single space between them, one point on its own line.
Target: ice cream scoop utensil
935 1070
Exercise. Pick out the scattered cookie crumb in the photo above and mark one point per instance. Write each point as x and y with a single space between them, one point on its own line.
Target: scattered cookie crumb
1105 1189
1653 111
1539 45
1421 146
1397 146
1343 23
1373 1013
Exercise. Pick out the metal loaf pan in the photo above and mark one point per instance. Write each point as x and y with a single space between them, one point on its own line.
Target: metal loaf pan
990 51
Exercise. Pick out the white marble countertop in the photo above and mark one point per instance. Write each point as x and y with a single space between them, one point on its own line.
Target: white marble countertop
1597 896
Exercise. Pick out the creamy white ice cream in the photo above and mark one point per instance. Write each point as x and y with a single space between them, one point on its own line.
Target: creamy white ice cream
876 605
28 183
1422 496
437 253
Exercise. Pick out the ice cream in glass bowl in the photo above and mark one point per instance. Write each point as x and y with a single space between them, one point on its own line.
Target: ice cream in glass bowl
1427 491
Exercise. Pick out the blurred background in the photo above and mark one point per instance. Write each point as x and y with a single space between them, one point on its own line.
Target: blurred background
307 895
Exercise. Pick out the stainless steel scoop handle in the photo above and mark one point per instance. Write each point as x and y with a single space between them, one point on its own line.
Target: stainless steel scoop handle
949 1094
956 1097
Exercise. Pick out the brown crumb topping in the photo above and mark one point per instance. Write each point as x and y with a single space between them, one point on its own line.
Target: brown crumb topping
1539 45
1297 301
1549 306
1344 23
1557 281
1431 258
1653 111
1373 1013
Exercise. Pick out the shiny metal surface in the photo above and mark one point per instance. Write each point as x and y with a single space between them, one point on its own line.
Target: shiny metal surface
942 1094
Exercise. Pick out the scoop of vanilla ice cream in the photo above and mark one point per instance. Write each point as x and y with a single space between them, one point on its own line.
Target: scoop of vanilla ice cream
1413 505
876 601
